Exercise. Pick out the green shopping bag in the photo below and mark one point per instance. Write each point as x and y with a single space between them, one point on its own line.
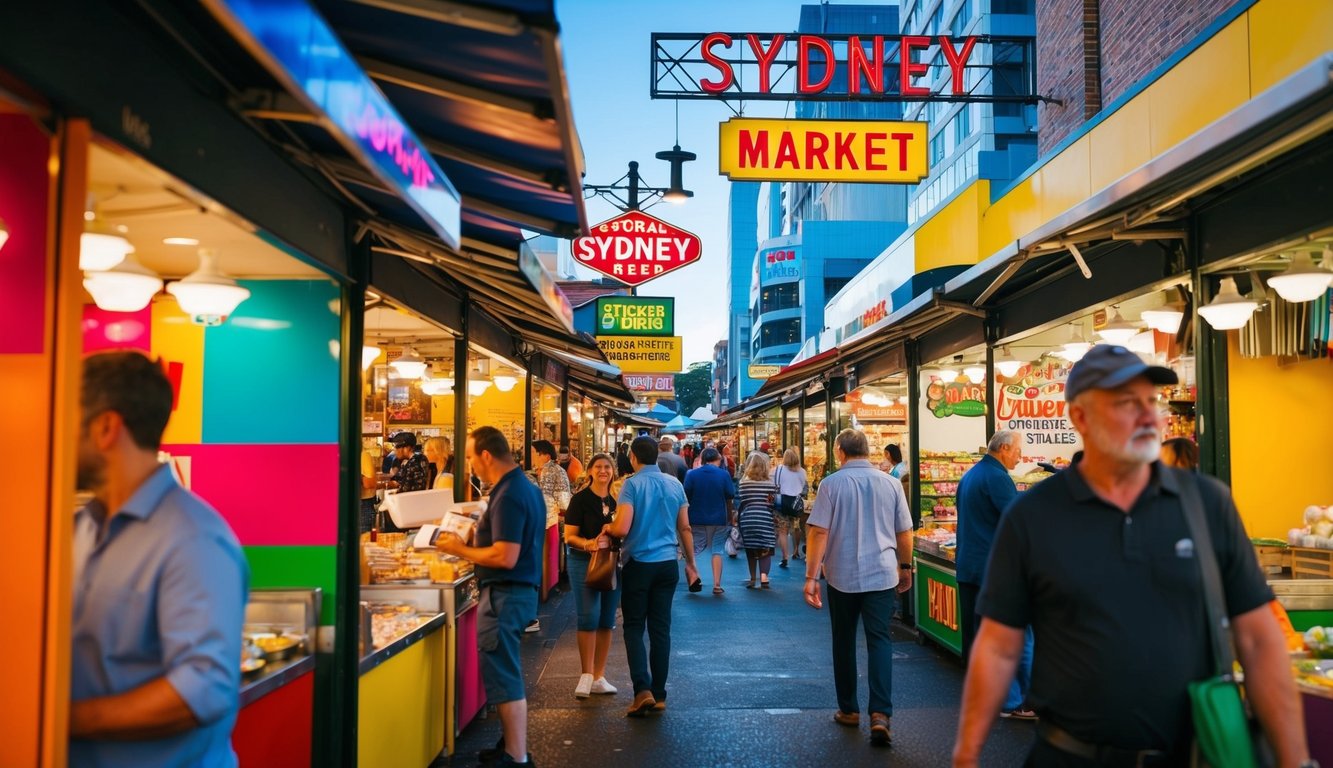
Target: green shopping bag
1221 723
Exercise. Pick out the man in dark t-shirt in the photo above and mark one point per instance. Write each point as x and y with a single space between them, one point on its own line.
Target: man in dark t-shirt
1100 562
507 550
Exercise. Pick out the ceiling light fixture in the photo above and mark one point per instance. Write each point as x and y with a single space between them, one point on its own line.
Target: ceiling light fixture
4 233
947 375
369 354
1117 330
1228 310
442 385
207 295
179 241
478 387
101 246
1303 280
126 287
1077 346
409 365
1165 319
505 382
975 373
1007 364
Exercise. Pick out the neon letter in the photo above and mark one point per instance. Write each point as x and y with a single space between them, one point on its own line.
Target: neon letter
957 60
765 58
908 69
858 64
804 44
722 67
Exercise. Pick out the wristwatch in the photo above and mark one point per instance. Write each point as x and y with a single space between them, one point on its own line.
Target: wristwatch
905 566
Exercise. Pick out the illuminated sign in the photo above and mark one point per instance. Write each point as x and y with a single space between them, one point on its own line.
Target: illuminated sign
763 371
297 46
764 149
635 316
875 313
780 264
649 382
635 248
643 354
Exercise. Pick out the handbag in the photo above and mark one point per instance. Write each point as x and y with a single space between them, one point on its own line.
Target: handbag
1225 731
733 544
604 568
791 506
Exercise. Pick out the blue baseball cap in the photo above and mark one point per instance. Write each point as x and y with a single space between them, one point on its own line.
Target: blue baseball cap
1109 365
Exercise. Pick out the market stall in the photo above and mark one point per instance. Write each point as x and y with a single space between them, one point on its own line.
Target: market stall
275 722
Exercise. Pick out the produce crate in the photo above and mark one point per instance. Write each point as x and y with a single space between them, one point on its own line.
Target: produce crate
1311 563
1273 560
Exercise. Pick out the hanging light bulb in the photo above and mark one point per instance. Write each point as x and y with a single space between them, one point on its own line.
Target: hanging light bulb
1007 364
409 365
1303 280
126 287
369 354
207 295
4 233
975 373
1077 346
101 246
947 375
1118 330
505 382
1228 310
437 385
902 399
477 387
1165 319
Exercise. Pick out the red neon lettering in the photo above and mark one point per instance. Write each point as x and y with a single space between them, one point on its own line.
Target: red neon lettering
902 139
874 150
723 67
816 144
805 45
754 149
957 60
908 69
787 151
842 151
765 58
857 65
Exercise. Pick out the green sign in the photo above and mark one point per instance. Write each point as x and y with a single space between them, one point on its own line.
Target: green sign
636 316
937 605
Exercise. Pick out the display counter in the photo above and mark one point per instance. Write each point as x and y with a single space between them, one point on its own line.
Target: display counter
1308 602
400 697
935 590
274 726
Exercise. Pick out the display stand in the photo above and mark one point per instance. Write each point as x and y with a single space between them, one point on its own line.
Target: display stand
935 591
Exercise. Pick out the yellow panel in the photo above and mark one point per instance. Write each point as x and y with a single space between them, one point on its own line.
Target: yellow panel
1062 183
950 236
764 149
177 340
1271 489
1285 35
1119 145
400 708
1014 215
1209 83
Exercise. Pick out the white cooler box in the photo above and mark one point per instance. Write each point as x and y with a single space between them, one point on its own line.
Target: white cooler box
414 509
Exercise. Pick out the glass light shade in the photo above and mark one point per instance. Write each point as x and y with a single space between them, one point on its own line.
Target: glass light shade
1007 365
505 383
441 386
409 365
975 373
1303 281
369 354
1228 310
902 399
206 292
477 387
1167 319
101 248
1074 351
127 287
947 375
1118 330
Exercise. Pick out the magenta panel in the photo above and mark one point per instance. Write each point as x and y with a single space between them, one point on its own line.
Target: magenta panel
117 330
24 150
271 495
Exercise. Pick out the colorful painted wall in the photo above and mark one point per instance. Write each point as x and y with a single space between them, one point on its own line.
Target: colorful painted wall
1274 477
255 428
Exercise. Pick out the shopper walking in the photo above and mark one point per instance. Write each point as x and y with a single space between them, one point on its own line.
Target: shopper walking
710 493
792 485
670 463
754 517
1101 562
984 493
860 532
507 550
159 590
652 517
590 511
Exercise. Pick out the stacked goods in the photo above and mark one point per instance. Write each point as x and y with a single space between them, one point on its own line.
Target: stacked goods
1318 530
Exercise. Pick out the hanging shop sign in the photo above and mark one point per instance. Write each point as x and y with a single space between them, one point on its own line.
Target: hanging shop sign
948 414
635 248
1032 403
827 67
766 149
544 283
763 371
643 354
864 411
780 264
649 382
636 316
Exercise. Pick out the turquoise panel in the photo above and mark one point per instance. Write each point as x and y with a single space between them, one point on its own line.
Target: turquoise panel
270 374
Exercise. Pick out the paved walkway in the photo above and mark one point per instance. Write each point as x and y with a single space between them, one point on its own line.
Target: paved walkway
751 685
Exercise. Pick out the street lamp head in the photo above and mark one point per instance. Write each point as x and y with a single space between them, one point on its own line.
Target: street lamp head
676 193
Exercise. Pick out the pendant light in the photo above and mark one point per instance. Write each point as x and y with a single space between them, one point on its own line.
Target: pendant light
1077 346
975 373
126 287
1303 280
1007 364
505 382
4 233
101 246
437 385
1228 310
1118 330
478 387
1165 319
206 294
947 375
409 365
369 354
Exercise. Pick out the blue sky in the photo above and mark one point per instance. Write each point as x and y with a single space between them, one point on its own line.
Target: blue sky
606 52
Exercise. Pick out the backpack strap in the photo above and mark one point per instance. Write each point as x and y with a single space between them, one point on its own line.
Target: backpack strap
1219 625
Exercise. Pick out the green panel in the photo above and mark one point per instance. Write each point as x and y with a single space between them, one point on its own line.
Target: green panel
1303 620
297 567
636 316
937 605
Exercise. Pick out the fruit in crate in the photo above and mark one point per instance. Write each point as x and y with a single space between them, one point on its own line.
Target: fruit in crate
1319 641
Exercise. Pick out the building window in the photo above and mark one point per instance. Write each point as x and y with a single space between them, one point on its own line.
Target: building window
963 19
775 297
779 332
937 148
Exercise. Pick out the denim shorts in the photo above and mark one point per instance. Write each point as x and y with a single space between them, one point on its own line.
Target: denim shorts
503 613
711 538
597 609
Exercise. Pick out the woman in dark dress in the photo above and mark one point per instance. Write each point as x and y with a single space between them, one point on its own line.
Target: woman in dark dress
589 510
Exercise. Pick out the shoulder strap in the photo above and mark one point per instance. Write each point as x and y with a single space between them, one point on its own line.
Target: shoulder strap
1219 626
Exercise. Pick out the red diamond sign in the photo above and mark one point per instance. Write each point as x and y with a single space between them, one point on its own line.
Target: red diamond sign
635 248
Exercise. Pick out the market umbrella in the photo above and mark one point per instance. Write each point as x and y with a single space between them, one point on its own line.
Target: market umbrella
678 424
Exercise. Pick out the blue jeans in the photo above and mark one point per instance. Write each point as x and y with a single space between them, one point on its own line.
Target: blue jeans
875 609
504 610
1018 689
596 609
646 600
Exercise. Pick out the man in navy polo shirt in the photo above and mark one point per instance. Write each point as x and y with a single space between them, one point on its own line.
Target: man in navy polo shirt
710 491
507 550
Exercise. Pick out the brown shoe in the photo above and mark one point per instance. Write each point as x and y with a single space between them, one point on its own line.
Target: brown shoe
643 704
879 729
659 706
849 719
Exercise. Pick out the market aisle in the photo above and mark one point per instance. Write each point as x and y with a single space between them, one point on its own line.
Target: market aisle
751 685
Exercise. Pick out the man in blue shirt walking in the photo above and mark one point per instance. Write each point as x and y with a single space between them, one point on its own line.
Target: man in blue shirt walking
160 588
710 491
985 491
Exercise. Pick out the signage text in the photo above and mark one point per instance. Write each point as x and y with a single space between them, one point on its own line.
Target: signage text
643 354
635 316
942 603
766 149
635 247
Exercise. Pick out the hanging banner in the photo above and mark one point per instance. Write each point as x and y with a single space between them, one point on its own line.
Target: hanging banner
950 414
636 316
635 248
644 354
649 382
879 151
1032 403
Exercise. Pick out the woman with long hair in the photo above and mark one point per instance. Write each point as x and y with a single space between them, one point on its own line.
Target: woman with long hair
791 482
755 518
589 511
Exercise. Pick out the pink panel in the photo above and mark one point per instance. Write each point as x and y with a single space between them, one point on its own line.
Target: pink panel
471 689
23 208
271 495
116 330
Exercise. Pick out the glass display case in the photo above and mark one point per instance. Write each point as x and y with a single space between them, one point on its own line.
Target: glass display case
278 638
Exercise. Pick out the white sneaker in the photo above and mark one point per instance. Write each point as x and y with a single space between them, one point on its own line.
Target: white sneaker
600 685
535 626
584 687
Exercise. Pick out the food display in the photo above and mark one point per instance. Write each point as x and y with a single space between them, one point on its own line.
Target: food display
940 475
446 569
1317 532
937 540
390 621
395 566
1180 415
881 435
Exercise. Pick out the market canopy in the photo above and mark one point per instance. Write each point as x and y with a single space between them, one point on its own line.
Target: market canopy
679 424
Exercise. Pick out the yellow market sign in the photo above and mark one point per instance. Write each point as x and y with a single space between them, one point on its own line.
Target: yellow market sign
763 371
643 354
884 152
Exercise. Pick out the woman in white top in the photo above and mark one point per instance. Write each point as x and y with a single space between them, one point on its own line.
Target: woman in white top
438 453
790 478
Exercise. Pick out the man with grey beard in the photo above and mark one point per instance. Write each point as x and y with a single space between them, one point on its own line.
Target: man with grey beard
1100 562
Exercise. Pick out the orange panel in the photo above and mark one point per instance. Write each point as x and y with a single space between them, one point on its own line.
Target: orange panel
177 340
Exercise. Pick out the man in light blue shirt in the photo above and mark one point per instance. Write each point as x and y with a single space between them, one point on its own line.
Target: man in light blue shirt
860 531
652 517
160 589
